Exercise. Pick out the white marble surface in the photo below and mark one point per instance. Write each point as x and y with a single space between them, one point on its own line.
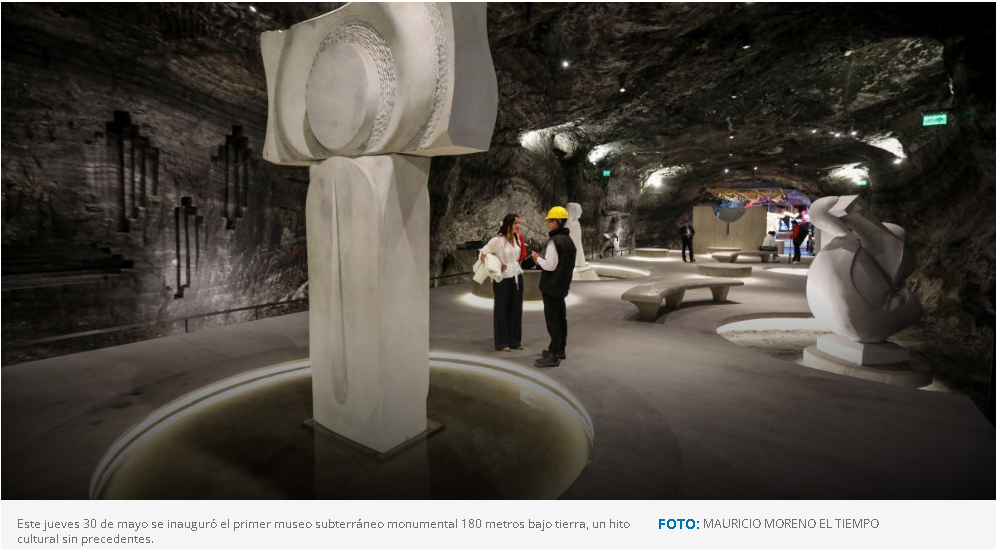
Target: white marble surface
855 285
346 91
380 77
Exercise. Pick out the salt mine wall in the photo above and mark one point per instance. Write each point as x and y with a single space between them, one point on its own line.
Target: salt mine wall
132 138
133 188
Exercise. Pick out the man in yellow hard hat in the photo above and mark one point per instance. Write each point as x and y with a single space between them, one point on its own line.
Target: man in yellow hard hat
558 263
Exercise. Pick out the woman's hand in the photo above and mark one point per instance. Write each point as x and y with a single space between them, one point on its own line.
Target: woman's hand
504 267
483 257
534 255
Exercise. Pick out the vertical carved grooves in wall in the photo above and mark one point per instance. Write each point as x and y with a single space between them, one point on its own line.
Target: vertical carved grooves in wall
129 170
186 218
234 170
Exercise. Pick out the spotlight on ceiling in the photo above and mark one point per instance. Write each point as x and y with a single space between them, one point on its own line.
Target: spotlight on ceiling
755 167
564 64
731 137
838 134
725 170
731 154
853 133
746 46
734 97
622 90
252 9
814 131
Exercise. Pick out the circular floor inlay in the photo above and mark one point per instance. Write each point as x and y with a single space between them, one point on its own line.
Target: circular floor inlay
509 432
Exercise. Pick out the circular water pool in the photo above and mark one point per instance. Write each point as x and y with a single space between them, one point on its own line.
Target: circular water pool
509 432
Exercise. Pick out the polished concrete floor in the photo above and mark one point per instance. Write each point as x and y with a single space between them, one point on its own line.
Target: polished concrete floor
678 411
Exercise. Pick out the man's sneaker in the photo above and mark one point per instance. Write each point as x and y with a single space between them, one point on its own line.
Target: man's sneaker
547 362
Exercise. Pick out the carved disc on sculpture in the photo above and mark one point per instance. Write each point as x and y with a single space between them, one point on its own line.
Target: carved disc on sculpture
729 215
342 97
333 89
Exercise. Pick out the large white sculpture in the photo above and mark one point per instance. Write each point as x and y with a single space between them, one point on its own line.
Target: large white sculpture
856 285
375 79
583 271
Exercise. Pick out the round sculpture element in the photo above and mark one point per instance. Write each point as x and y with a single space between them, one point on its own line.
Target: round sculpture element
342 96
855 284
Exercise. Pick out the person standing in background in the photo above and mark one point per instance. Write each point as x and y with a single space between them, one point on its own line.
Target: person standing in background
686 233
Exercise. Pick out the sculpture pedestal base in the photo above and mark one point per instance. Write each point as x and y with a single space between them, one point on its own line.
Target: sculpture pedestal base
585 273
432 428
907 374
863 354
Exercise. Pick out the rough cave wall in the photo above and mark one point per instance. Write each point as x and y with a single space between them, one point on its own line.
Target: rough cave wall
670 96
136 128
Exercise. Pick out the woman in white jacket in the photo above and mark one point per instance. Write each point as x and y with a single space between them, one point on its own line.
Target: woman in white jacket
507 314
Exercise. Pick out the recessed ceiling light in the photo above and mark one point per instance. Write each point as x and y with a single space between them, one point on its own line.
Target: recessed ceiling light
838 135
252 9
814 131
734 97
725 170
731 137
746 46
622 90
564 64
731 154
755 167
852 132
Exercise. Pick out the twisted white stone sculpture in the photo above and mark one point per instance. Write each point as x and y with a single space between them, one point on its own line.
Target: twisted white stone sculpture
347 91
855 285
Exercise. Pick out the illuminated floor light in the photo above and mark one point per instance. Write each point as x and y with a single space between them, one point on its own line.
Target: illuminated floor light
650 259
606 267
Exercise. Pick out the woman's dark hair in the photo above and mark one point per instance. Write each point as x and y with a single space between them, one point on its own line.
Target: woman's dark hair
507 224
561 223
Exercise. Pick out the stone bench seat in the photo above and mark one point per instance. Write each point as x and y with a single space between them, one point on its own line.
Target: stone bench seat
648 297
732 257
713 249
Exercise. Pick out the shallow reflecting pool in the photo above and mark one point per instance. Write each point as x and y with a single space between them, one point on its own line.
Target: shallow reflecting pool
509 432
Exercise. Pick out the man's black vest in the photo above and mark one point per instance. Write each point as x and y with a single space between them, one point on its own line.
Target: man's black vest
555 283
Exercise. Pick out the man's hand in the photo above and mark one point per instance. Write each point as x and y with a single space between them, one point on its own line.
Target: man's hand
534 255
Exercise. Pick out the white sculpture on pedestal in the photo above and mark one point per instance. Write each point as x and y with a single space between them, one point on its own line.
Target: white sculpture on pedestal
583 271
855 285
375 79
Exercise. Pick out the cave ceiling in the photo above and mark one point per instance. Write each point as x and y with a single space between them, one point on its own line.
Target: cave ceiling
809 96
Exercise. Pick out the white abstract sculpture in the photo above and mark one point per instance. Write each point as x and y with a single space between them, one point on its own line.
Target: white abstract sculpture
375 79
855 285
583 271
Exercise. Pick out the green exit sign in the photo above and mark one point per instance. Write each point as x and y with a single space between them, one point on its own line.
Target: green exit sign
862 182
606 173
935 118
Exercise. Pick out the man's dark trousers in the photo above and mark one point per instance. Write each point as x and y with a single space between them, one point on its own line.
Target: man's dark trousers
556 317
688 244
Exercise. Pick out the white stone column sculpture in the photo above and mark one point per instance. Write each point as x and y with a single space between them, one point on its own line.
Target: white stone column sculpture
583 271
855 286
363 95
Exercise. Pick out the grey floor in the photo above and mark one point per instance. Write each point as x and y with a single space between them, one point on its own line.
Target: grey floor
678 411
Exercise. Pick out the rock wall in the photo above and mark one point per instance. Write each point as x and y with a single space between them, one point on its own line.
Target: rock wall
134 129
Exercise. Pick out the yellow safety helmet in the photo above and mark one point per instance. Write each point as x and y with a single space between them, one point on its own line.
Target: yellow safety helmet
557 213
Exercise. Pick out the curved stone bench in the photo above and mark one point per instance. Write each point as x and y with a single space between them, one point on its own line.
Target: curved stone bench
732 257
651 252
712 249
725 271
531 286
648 297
